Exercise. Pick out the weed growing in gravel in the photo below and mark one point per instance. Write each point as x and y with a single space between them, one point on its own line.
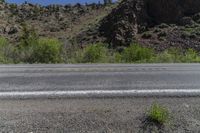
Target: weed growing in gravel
158 114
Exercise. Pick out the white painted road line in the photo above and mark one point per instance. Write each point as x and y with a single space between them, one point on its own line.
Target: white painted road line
102 93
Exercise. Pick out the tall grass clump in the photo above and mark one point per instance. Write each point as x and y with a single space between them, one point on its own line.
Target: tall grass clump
136 53
96 53
158 114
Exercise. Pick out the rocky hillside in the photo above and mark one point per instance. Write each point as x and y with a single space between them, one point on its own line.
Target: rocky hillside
155 23
160 24
59 21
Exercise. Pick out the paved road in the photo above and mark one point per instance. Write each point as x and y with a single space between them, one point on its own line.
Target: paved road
125 93
26 81
98 80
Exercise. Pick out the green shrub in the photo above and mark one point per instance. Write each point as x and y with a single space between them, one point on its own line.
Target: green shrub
158 114
136 53
95 53
46 51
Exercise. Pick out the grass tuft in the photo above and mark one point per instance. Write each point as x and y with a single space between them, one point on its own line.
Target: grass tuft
158 114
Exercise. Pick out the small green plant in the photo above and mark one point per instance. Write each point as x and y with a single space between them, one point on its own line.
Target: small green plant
158 114
137 53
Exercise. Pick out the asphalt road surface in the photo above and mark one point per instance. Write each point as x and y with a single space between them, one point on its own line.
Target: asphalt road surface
53 81
98 98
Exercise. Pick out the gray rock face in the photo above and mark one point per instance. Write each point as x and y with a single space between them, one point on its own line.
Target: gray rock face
124 22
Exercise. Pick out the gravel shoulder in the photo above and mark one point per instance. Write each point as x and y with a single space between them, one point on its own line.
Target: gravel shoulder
97 115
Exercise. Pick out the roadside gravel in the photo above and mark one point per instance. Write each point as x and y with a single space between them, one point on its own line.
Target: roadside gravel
119 115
